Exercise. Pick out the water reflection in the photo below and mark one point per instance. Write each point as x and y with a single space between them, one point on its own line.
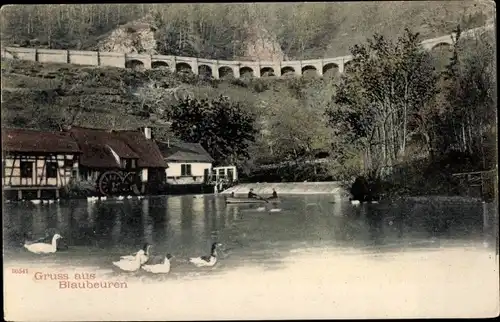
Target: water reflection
187 235
374 218
116 229
174 210
185 225
40 222
147 222
63 220
91 215
159 219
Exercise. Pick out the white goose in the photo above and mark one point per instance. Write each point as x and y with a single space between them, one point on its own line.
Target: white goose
144 255
130 265
163 267
43 248
206 260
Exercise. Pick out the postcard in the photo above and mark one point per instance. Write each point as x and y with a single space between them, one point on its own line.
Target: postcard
249 161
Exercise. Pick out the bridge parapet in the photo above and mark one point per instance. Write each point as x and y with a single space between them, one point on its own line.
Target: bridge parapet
82 57
52 56
210 67
112 59
20 53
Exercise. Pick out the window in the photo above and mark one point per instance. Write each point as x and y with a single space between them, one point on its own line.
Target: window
185 169
230 174
51 169
128 164
26 169
68 163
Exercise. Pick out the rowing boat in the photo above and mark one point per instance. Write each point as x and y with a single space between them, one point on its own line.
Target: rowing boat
250 200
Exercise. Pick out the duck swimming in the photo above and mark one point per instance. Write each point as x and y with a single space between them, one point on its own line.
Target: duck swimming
60 244
162 267
144 254
206 260
130 265
43 248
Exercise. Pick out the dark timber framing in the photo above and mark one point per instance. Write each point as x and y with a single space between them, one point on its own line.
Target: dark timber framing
39 181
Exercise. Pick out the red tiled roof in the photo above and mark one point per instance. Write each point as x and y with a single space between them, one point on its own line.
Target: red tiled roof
22 140
97 146
149 153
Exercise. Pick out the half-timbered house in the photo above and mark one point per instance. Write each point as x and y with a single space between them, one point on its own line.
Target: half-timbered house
37 164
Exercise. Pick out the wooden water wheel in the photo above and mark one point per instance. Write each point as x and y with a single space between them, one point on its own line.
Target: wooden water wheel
131 183
110 183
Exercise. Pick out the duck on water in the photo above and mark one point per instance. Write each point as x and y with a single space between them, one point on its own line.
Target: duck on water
61 243
161 267
43 248
131 265
145 260
210 260
144 254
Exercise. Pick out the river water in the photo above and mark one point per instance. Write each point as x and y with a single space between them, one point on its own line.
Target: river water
310 239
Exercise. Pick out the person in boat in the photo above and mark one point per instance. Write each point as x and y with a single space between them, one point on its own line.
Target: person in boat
252 195
275 194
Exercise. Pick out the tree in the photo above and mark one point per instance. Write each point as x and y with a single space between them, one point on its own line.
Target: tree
466 122
386 84
222 127
297 134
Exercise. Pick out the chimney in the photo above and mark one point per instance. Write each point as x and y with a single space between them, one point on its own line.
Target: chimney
147 132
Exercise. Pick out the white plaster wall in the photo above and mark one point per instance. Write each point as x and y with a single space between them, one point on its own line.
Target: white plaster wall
197 171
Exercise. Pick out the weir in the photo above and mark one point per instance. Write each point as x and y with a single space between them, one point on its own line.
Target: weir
297 188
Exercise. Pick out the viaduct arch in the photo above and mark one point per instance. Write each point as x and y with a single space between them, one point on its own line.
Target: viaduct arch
210 67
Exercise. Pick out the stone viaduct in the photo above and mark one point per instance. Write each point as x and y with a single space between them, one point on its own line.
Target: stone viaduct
205 67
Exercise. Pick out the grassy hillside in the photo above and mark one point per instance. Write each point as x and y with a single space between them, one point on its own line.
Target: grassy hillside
290 112
48 96
221 31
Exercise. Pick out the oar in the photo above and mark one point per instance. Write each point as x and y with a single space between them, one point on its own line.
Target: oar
261 198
